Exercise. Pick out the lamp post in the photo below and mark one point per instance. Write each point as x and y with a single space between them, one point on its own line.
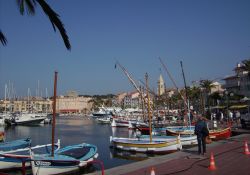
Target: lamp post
226 93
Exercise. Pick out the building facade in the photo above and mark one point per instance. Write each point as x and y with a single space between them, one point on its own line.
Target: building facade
239 83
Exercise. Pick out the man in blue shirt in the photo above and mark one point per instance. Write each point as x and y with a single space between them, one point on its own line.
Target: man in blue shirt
202 132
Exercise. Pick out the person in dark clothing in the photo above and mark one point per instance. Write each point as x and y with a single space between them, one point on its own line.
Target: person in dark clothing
202 132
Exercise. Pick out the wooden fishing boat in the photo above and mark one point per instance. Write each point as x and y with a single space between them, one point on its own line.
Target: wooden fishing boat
116 122
14 145
145 145
148 145
185 140
180 130
14 155
65 160
219 134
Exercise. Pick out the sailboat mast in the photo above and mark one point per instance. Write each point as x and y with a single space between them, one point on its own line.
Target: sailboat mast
186 92
54 114
149 114
171 78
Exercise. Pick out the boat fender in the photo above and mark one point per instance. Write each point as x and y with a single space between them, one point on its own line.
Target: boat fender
179 142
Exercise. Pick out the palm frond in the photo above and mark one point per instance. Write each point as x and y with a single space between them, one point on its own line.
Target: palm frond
3 38
28 4
246 64
55 21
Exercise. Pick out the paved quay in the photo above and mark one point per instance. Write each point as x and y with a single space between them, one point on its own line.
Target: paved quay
229 158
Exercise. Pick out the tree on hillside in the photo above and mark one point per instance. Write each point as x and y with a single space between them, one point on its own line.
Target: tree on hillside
29 7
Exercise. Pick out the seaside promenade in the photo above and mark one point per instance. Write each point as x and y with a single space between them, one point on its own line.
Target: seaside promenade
229 158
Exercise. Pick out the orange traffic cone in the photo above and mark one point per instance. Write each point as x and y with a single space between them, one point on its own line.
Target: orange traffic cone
246 149
152 172
212 163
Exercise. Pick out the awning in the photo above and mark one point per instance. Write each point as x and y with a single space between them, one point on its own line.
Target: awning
238 106
218 107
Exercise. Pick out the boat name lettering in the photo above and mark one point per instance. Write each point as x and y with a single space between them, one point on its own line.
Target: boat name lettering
43 163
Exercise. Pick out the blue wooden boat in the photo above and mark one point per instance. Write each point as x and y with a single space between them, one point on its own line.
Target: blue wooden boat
68 159
15 153
64 160
15 144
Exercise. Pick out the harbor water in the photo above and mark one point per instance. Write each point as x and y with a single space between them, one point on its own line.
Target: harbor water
78 129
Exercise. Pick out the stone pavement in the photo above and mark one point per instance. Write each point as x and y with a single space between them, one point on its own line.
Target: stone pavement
229 159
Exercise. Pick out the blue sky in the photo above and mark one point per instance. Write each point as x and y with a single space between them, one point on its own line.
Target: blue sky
209 36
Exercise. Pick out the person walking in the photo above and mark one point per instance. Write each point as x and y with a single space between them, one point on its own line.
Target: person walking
202 132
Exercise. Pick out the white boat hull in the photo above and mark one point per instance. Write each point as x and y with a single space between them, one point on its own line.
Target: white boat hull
12 165
145 146
185 140
38 169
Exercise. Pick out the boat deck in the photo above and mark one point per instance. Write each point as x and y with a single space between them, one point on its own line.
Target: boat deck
229 159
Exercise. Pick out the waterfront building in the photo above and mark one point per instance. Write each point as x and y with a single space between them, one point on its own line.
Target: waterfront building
27 104
239 83
118 99
132 100
217 87
71 103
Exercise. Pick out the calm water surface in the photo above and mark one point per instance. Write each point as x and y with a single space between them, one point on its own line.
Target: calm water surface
75 130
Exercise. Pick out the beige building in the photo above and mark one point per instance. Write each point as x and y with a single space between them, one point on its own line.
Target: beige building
72 104
217 87
34 104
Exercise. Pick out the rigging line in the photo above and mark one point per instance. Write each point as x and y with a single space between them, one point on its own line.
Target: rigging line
132 81
171 78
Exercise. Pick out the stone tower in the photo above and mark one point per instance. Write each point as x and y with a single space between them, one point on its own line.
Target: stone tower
161 86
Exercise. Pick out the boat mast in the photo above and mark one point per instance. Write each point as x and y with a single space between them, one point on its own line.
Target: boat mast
131 80
54 114
142 104
149 114
129 77
165 68
186 92
5 102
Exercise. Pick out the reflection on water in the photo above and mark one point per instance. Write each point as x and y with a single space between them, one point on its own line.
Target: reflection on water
127 155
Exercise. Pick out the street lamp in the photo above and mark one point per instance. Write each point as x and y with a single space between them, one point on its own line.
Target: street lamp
227 95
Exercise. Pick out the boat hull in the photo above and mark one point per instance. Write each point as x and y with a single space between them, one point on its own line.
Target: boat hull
119 123
64 161
220 134
48 168
145 146
13 159
185 140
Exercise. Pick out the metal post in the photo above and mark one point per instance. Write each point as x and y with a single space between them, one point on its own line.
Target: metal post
54 114
23 167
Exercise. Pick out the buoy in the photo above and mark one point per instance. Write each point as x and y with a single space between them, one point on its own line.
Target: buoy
212 163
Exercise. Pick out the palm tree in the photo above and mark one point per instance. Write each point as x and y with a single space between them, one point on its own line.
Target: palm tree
194 96
207 85
246 65
29 7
